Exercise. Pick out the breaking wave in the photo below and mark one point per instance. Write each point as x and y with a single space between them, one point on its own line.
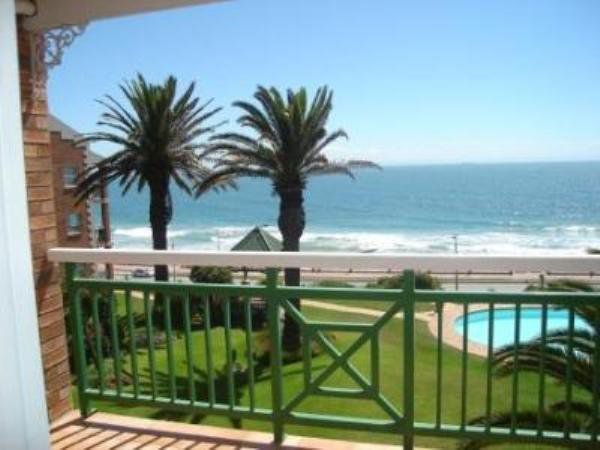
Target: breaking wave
564 240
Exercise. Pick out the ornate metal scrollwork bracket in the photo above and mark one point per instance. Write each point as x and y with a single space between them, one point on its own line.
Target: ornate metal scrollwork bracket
49 46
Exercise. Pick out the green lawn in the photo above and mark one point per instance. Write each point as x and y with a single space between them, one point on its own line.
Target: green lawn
391 381
379 305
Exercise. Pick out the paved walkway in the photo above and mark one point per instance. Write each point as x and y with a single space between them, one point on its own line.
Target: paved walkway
424 316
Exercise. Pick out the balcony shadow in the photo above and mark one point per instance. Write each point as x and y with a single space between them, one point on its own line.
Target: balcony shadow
142 434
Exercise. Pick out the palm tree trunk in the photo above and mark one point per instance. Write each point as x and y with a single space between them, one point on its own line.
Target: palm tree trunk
159 220
105 214
291 225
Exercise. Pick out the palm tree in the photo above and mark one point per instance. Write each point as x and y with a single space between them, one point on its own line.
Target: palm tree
555 354
286 147
157 137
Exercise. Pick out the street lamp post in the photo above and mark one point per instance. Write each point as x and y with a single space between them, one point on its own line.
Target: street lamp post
174 266
455 239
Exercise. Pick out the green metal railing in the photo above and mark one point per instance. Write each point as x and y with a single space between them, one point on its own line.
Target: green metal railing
109 343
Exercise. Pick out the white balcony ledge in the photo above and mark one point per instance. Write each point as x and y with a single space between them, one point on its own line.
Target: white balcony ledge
341 261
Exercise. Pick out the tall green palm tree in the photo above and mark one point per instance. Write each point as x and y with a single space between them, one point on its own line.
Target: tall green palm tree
157 136
286 146
555 354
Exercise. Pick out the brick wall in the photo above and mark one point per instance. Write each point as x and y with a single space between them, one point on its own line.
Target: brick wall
42 222
65 153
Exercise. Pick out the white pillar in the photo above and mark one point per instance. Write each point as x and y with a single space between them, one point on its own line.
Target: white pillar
23 416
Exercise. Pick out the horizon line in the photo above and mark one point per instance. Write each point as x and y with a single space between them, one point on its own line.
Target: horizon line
487 163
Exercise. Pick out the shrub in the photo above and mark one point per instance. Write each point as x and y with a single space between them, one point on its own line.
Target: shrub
280 281
334 284
562 285
263 346
211 274
224 275
422 281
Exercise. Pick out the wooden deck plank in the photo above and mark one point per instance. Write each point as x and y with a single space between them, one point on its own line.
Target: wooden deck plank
108 431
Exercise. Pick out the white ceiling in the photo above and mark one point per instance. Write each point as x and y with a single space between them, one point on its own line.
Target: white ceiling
55 13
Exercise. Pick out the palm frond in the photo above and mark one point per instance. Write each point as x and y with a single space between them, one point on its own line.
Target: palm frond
225 178
286 143
552 420
157 134
528 358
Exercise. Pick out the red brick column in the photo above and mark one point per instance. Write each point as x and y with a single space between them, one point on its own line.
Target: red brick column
42 223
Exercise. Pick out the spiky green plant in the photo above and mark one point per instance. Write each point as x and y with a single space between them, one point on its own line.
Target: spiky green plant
286 146
157 134
554 352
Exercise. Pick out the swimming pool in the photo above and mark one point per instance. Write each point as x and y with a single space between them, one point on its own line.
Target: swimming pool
504 324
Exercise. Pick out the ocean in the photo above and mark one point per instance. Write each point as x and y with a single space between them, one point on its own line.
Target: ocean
521 209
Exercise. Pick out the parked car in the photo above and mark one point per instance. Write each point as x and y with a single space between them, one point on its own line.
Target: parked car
141 273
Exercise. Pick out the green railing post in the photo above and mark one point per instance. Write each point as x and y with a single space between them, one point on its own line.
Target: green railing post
275 335
77 336
409 359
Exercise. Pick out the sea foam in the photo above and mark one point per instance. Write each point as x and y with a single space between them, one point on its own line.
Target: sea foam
559 241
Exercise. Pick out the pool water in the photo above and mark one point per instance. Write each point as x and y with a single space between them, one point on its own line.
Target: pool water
504 324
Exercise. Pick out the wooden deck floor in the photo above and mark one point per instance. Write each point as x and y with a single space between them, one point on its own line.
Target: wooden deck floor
107 431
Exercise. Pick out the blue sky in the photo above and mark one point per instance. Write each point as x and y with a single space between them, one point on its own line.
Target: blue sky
415 82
